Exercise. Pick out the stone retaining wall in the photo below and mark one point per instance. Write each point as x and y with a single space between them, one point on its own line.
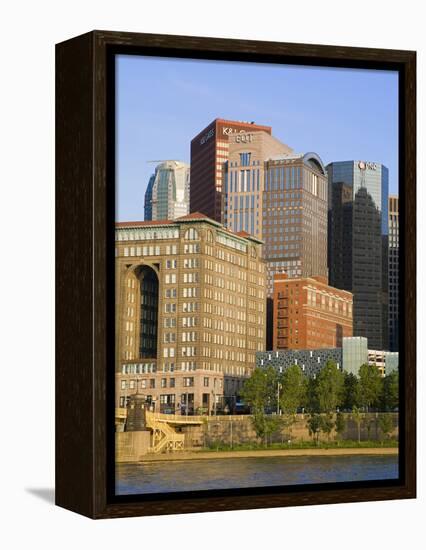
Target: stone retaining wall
231 431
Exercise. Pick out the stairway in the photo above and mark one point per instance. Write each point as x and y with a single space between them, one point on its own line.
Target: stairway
164 437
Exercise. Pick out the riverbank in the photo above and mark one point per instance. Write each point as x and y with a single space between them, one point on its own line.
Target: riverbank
261 453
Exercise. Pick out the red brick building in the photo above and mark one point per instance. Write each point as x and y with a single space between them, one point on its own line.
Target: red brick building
309 314
209 150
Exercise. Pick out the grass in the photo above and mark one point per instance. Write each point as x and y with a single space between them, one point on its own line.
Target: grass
346 444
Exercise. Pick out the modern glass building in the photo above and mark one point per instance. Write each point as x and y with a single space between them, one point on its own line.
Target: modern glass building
354 353
167 194
148 199
358 243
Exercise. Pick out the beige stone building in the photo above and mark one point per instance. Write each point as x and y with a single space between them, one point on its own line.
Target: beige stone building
245 177
190 312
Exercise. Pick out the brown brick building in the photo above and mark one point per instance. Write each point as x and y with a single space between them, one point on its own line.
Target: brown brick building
209 152
190 312
309 314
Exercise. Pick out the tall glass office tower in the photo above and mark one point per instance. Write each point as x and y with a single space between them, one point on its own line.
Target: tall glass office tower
358 243
167 194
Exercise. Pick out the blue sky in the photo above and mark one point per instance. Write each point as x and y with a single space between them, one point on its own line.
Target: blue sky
162 103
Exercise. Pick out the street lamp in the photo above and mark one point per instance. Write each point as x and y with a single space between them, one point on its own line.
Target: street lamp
278 397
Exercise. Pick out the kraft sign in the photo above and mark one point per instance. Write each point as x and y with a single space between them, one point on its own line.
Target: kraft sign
367 165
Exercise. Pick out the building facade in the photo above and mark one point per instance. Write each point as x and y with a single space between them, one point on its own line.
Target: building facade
148 199
190 312
353 353
393 272
209 151
311 361
309 314
385 361
167 193
358 243
244 179
294 219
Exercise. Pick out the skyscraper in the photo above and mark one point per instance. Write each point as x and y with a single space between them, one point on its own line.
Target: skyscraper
393 272
358 243
245 177
148 199
294 218
209 150
167 194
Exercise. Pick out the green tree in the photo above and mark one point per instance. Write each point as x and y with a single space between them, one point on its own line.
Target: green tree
260 389
327 424
312 403
340 424
259 392
350 391
370 385
357 417
314 424
329 387
293 390
389 399
385 424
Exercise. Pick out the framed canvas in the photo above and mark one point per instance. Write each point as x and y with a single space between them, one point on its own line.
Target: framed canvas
236 299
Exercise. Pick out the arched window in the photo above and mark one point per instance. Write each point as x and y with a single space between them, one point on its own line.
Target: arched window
191 235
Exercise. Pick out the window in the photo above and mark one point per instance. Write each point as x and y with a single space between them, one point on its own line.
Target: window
132 384
206 382
172 382
164 382
188 381
152 383
171 293
170 278
123 384
245 159
191 235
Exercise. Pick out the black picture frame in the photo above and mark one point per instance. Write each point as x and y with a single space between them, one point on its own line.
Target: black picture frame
85 265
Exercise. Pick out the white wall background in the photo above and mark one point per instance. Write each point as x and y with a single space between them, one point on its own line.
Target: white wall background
29 31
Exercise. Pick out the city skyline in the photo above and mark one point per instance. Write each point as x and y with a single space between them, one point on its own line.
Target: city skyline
304 106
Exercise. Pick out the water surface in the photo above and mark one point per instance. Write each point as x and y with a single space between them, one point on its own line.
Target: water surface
227 473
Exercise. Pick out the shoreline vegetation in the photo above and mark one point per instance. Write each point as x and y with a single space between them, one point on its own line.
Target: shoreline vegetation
293 451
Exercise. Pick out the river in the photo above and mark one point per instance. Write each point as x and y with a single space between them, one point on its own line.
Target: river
226 473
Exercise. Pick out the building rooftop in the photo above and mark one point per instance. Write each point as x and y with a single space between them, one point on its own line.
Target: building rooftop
192 217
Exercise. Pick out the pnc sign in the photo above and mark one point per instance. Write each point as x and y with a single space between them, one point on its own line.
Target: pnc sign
367 165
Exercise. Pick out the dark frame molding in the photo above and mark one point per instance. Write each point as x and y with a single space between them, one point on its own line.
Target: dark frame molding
83 229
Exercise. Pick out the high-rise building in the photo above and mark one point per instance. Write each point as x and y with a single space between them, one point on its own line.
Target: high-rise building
309 314
190 312
209 151
294 218
245 177
148 199
393 273
358 243
167 194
